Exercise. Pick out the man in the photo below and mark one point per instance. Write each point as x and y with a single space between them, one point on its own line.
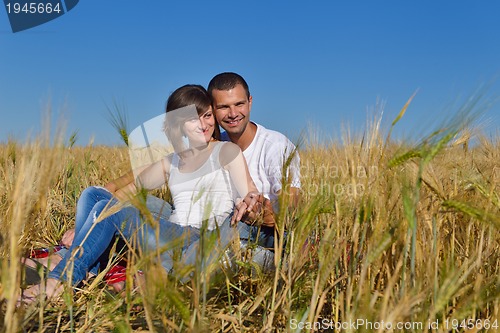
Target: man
265 151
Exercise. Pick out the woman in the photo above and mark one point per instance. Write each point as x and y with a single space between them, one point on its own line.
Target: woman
205 176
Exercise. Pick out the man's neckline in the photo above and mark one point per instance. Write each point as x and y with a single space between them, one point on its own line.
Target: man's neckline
251 141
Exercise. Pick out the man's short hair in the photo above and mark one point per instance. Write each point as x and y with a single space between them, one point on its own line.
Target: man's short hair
227 81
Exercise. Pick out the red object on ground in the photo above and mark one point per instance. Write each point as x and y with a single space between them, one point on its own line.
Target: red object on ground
117 273
44 252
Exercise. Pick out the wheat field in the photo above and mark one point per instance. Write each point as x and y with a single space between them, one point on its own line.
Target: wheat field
389 236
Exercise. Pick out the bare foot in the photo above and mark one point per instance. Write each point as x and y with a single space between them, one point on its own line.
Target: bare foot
50 289
118 287
50 262
138 280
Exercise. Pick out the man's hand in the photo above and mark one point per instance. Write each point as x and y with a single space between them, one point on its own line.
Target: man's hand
268 214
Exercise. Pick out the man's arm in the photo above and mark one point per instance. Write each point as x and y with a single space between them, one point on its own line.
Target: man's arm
264 213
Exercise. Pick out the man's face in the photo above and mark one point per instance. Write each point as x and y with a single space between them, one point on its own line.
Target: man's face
232 109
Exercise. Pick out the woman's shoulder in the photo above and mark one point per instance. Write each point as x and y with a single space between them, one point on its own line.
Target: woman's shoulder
228 147
228 152
167 161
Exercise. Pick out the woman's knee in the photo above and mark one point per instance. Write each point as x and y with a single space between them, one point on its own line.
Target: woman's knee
98 208
90 191
91 195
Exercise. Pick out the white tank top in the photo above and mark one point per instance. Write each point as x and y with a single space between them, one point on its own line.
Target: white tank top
204 194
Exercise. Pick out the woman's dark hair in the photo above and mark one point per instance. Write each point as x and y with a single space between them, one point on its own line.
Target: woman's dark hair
189 94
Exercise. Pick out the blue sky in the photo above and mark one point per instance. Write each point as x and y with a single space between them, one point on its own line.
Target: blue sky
323 63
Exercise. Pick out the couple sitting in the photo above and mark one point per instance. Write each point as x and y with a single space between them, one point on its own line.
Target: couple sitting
205 177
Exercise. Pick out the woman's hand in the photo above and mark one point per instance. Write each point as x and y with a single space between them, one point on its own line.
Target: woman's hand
68 237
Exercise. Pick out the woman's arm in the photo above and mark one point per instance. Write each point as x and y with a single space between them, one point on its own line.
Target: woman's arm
155 175
125 180
124 187
149 177
233 160
238 170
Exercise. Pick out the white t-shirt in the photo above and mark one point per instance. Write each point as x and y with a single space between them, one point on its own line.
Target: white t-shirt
265 157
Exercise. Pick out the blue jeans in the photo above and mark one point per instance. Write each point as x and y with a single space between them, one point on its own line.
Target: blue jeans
92 238
262 236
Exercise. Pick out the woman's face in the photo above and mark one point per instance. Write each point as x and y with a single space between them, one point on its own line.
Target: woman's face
200 130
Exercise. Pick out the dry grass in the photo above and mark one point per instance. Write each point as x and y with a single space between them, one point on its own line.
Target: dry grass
385 232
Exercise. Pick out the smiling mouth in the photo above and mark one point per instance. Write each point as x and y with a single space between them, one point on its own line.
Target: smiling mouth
205 131
233 122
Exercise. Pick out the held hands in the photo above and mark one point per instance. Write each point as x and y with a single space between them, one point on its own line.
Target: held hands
248 208
254 209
